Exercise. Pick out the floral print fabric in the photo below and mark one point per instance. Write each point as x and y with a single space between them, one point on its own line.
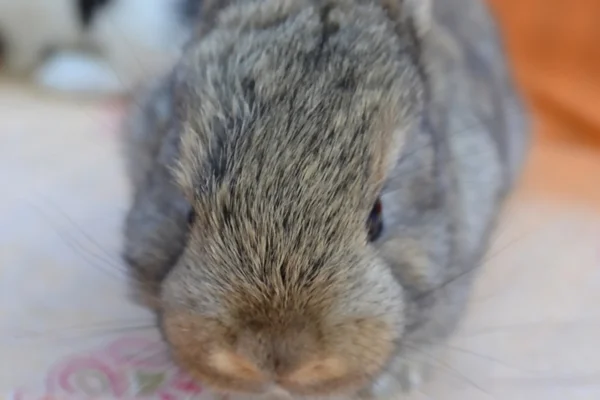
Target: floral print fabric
127 368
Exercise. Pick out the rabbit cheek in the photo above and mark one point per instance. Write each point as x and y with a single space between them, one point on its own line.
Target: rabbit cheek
359 350
201 347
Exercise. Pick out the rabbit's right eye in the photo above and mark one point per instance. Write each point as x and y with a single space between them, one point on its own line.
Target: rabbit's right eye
191 217
375 222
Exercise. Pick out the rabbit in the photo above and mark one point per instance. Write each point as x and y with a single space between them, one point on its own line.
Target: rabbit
93 46
315 184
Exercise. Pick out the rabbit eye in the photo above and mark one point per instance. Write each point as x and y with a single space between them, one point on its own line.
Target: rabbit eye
191 217
375 222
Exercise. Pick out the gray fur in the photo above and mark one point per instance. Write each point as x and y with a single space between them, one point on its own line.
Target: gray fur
281 125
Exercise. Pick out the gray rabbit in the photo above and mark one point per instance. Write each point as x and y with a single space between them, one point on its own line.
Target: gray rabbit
315 182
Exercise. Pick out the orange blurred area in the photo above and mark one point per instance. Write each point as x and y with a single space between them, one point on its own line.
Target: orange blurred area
568 174
555 49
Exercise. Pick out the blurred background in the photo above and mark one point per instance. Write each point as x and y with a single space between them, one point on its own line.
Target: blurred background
555 46
555 50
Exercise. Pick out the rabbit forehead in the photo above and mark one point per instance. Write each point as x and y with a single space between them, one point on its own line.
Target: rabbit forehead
313 92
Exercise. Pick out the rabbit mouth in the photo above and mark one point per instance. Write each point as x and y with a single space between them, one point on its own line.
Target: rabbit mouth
375 221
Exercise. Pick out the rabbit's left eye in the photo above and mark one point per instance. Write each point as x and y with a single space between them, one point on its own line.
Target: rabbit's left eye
375 222
191 217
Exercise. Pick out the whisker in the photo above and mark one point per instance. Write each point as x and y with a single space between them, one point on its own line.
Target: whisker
448 368
582 381
86 254
516 272
68 338
512 242
92 258
105 254
485 357
100 326
477 266
529 325
80 230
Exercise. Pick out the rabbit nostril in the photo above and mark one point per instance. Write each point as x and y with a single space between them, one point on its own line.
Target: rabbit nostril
375 221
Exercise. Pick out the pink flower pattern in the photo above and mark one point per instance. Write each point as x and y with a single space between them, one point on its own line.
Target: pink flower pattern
129 368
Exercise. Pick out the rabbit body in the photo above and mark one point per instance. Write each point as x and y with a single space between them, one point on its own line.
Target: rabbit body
256 162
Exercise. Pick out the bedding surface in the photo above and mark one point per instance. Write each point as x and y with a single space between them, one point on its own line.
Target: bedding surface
68 330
